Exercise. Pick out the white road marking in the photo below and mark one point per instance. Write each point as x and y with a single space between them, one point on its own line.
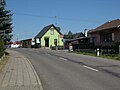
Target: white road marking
63 59
90 68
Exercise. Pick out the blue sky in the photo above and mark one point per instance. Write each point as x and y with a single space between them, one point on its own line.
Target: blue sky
30 16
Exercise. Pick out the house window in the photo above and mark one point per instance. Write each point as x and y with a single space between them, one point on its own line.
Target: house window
107 37
55 42
113 36
52 32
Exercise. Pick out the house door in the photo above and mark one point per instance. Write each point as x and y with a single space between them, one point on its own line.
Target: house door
46 42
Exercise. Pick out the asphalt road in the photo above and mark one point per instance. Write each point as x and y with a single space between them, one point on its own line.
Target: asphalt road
59 70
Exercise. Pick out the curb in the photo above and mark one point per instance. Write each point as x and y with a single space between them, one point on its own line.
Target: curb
38 79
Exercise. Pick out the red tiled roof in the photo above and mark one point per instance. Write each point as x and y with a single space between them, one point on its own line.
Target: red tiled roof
107 25
17 42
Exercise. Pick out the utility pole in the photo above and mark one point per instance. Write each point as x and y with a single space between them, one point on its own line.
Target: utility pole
56 20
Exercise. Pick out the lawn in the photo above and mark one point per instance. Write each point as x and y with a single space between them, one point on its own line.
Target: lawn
107 56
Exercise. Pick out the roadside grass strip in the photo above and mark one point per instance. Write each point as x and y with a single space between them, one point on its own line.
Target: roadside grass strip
3 62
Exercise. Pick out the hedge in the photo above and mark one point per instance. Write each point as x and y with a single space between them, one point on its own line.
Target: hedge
2 49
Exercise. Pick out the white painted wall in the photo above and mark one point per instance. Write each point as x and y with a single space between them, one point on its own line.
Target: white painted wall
15 45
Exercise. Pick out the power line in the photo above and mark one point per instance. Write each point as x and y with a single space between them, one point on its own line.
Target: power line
60 18
55 20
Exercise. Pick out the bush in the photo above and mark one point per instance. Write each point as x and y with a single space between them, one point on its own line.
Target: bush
2 49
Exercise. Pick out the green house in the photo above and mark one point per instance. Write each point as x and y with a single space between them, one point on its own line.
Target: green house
49 36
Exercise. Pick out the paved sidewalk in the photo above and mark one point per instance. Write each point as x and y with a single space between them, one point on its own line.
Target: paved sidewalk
19 74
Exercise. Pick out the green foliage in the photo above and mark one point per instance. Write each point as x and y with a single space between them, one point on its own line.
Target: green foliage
2 49
69 35
2 3
5 22
110 56
5 26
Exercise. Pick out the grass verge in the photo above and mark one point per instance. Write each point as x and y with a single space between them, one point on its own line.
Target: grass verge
107 56
3 61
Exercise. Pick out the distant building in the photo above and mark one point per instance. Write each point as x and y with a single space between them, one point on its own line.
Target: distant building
107 37
15 44
106 34
49 36
28 43
74 40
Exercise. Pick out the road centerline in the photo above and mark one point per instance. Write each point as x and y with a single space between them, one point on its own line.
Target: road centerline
90 68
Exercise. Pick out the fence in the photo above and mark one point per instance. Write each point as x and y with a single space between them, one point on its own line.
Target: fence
88 47
91 48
